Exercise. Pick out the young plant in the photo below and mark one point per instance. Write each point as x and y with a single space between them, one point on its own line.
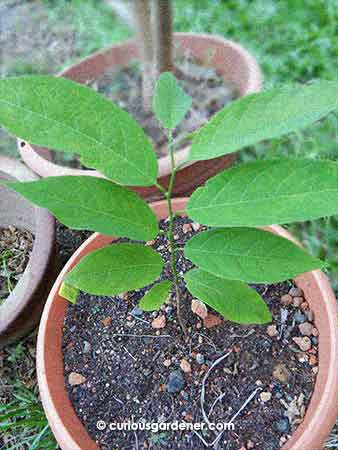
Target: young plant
57 113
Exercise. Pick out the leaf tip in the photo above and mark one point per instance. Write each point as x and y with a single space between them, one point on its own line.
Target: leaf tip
69 292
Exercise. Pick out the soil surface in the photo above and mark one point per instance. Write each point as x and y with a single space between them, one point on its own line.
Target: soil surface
159 379
15 249
209 92
69 241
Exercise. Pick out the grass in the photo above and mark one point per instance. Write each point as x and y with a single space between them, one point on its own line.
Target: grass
24 421
295 41
23 424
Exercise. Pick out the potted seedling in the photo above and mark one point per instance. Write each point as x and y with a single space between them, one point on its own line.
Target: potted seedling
184 298
213 69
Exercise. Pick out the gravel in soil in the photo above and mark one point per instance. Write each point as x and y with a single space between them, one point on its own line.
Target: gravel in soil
209 92
15 249
159 379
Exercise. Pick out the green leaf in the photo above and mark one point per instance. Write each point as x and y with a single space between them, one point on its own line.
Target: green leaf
156 296
264 115
170 102
89 203
115 269
68 292
267 192
233 299
62 115
250 255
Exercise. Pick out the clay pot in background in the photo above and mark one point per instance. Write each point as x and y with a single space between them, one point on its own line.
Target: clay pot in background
229 59
67 427
22 309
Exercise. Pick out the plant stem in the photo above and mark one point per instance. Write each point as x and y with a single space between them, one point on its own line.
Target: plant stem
143 25
173 259
163 46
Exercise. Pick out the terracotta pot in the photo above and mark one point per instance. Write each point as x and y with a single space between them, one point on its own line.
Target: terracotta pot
236 65
22 310
71 434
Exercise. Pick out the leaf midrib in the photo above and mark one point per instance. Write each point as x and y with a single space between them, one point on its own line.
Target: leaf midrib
245 256
27 110
106 214
103 272
215 205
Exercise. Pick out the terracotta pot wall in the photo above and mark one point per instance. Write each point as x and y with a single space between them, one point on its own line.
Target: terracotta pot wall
22 310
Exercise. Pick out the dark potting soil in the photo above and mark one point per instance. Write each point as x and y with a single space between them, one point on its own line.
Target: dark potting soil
16 246
207 88
69 241
114 373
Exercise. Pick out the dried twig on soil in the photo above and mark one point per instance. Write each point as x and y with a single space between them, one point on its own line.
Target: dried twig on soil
206 416
247 401
206 376
142 336
133 357
136 441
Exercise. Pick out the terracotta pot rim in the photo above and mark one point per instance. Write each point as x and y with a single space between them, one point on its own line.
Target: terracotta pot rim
39 263
38 157
320 415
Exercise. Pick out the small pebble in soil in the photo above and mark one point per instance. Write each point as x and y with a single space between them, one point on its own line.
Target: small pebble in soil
200 358
185 366
159 322
75 379
281 373
313 360
304 343
283 425
286 299
310 315
106 322
295 292
272 330
212 321
87 347
199 308
265 396
175 382
137 311
299 317
187 228
305 329
314 340
297 301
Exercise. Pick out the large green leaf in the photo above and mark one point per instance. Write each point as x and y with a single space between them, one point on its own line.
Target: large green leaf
62 115
233 299
264 115
157 295
250 255
170 102
267 192
89 203
116 269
